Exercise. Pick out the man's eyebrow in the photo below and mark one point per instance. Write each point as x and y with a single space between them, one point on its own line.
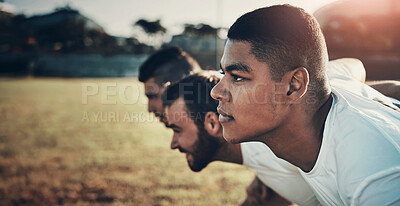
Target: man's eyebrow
238 67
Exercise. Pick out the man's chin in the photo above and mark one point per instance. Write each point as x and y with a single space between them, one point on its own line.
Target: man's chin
231 139
196 169
193 165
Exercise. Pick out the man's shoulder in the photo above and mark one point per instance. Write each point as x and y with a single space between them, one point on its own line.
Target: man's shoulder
354 121
355 112
346 68
365 140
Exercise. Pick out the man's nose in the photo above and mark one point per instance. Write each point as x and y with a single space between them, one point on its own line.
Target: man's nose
174 142
149 108
219 92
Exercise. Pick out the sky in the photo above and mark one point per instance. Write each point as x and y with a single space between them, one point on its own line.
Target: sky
117 16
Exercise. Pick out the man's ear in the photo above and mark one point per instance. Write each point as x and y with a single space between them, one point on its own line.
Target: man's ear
297 83
211 124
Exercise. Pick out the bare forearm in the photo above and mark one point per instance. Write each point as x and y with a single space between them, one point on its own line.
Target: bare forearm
258 194
390 88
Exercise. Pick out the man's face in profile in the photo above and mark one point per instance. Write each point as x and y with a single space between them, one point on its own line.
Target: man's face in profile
194 141
249 100
153 93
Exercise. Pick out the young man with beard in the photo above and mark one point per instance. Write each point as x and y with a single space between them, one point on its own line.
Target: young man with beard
192 114
276 91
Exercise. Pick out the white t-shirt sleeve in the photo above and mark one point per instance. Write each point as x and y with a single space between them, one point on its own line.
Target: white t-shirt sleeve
382 188
340 77
339 70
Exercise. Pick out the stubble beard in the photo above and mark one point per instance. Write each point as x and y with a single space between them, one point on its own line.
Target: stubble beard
204 149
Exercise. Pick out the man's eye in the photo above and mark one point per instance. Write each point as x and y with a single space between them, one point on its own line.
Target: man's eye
236 78
176 131
221 72
151 96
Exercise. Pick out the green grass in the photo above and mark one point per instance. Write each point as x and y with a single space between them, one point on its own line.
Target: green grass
51 154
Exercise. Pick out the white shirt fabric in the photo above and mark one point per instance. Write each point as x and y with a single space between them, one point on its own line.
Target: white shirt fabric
278 174
359 159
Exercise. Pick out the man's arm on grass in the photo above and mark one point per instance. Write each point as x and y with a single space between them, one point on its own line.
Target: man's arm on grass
259 194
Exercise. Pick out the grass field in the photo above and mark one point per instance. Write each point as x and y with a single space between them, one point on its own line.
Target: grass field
56 148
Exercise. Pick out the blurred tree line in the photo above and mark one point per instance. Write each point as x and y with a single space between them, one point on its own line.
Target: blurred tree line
30 45
63 31
67 31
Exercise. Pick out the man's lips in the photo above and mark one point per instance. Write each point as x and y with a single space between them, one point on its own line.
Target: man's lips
188 155
223 116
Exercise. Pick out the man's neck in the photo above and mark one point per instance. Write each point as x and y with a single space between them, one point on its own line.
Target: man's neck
229 153
299 141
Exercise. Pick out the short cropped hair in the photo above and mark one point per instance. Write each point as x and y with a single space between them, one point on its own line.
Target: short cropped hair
195 91
168 65
284 37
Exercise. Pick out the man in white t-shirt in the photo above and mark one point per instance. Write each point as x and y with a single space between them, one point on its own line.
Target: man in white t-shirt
187 102
275 90
340 75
